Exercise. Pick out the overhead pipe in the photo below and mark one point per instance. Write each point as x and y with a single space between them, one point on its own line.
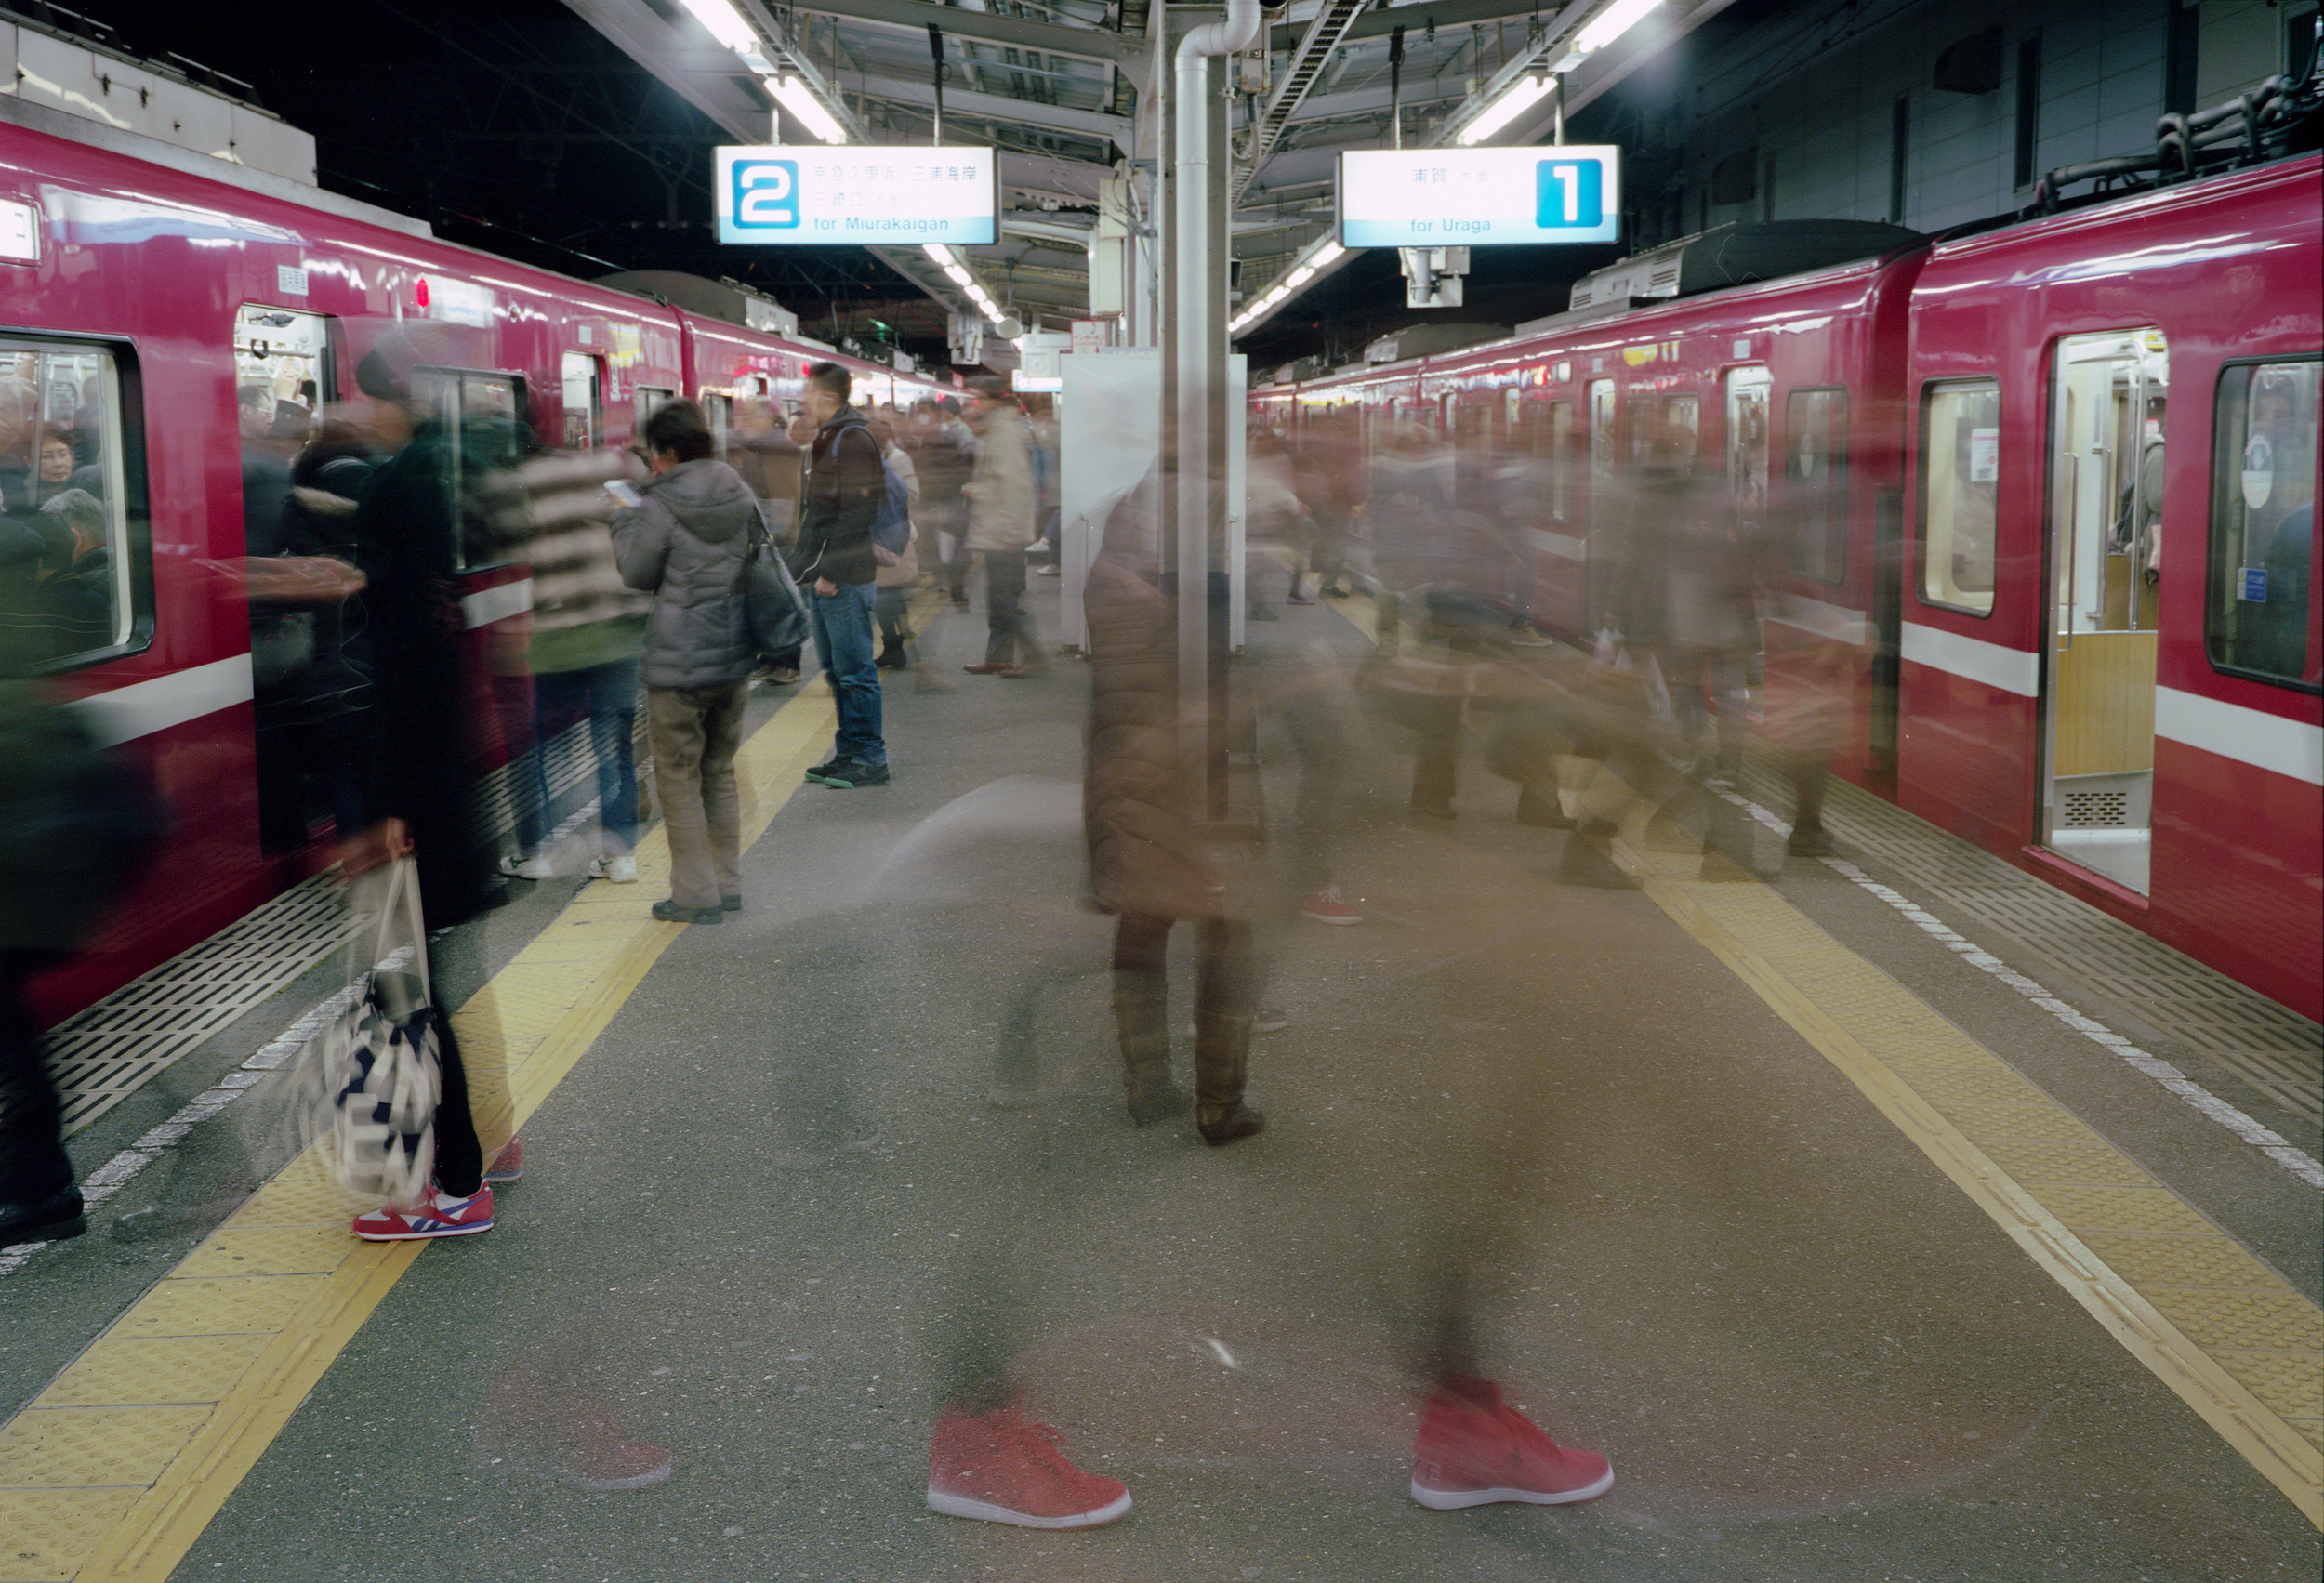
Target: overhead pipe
1198 352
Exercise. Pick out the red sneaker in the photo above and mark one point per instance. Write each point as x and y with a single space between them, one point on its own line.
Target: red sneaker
433 1217
507 1166
998 1468
584 1448
1328 906
1473 1449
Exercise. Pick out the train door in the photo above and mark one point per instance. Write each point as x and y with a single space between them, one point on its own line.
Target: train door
2098 690
584 383
646 397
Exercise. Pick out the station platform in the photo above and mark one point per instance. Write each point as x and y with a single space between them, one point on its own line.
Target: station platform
1881 1217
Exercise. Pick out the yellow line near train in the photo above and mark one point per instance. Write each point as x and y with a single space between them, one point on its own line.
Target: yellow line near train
112 1472
2230 1337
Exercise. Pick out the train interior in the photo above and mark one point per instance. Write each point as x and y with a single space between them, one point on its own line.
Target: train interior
2098 695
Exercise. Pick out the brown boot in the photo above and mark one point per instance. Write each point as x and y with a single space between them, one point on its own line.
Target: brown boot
1139 1014
1222 1065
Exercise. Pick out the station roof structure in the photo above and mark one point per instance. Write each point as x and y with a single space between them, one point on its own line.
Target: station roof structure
1057 87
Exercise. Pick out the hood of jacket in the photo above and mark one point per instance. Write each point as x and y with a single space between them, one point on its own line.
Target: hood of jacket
702 495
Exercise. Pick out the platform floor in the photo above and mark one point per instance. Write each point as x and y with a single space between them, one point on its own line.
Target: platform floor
1866 1241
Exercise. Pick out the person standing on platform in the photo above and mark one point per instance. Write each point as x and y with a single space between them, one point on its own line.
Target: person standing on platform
770 462
421 736
845 481
943 457
588 631
684 544
1001 500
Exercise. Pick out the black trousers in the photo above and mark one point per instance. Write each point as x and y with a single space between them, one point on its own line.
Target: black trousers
33 1161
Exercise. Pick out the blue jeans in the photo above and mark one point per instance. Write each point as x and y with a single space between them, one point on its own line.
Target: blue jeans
843 640
610 693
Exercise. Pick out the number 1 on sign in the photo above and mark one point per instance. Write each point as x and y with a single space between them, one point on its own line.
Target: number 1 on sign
1568 178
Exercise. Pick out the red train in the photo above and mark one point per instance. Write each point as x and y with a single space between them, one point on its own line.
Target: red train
136 294
2050 491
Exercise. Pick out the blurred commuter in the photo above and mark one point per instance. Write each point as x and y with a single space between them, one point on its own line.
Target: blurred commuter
1276 522
685 544
1407 515
944 456
1151 862
1330 478
898 574
845 483
77 826
310 676
588 633
1001 502
422 736
74 592
772 464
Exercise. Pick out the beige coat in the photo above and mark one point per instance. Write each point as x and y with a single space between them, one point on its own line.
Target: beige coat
1000 490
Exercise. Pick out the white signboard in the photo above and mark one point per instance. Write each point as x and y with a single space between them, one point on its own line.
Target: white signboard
1088 337
1480 197
823 197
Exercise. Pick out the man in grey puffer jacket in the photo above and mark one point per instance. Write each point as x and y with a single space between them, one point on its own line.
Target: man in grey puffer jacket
684 544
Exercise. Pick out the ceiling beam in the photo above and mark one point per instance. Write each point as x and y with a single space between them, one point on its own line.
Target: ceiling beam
1446 15
1018 33
996 107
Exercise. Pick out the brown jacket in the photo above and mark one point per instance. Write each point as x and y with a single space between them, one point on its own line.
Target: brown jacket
1141 803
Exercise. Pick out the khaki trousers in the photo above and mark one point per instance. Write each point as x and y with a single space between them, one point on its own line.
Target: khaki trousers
694 732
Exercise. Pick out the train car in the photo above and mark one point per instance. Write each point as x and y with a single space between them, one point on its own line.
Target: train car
1943 433
2109 654
143 288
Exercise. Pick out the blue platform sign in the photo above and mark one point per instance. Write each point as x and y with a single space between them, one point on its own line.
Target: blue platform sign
1480 197
821 197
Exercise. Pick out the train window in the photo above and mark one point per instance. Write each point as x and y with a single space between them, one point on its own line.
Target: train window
1816 481
1558 458
720 412
1960 431
648 398
487 425
73 545
284 370
2263 523
1747 442
583 401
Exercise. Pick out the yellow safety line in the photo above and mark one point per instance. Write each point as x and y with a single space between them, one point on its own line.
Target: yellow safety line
114 1471
2225 1333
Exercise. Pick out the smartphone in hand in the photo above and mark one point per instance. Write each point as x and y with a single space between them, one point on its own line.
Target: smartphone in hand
622 491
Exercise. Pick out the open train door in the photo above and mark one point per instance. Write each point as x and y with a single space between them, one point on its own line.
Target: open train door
2106 473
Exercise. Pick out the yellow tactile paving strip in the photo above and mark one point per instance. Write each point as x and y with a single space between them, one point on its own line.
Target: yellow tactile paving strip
114 1471
2222 1330
2227 1334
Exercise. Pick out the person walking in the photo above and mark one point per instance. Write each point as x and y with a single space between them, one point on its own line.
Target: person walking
684 543
1001 499
845 481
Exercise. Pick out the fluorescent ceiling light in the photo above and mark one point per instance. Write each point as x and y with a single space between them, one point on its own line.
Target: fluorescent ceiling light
938 251
725 23
1300 276
1611 23
795 96
1522 95
1327 252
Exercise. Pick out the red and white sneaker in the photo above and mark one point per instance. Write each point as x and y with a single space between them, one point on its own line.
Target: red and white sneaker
507 1166
1328 906
997 1468
587 1450
433 1217
1473 1449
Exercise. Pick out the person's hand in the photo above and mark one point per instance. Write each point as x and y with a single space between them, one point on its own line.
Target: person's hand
885 556
826 587
375 847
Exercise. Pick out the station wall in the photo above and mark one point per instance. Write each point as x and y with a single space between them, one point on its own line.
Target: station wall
1831 110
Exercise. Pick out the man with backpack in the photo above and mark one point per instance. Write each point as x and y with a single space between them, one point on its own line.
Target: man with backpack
844 497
